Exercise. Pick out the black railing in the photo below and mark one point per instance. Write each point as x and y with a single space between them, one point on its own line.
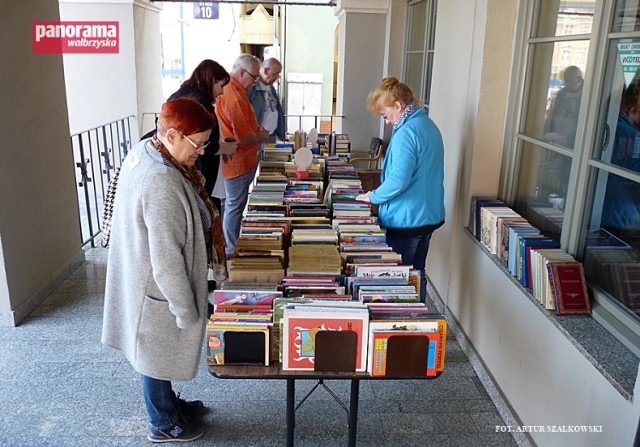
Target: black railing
96 154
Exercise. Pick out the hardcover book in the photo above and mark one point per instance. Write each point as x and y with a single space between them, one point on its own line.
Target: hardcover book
569 288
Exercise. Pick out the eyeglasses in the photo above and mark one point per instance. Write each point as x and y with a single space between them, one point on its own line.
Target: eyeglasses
196 147
255 77
384 116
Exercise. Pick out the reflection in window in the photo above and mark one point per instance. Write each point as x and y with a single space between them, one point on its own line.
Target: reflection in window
542 188
565 17
556 92
626 17
622 110
612 245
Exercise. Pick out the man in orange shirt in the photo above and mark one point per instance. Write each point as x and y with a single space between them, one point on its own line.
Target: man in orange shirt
238 120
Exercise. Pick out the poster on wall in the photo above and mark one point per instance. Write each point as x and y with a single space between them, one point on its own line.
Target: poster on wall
630 59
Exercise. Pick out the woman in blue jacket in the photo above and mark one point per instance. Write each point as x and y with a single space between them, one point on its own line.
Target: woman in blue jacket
411 193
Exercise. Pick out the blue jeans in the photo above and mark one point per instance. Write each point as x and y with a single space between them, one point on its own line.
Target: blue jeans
237 191
413 250
161 401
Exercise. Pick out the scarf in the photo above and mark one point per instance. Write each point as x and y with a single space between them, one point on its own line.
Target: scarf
408 110
195 177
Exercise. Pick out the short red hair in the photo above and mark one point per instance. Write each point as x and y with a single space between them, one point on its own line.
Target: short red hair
186 115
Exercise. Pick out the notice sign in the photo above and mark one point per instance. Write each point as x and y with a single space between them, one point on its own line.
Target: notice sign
76 37
630 59
205 10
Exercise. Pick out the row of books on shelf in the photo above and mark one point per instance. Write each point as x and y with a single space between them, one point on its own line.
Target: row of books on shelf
314 323
556 280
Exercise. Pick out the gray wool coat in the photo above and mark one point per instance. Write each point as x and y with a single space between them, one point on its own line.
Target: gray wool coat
156 287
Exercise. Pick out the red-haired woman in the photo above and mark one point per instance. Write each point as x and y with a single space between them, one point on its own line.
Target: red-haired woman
164 233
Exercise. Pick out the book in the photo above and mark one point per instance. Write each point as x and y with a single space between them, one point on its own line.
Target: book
421 349
301 326
244 297
238 343
569 288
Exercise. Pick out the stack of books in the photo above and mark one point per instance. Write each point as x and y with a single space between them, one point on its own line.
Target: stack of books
240 330
406 343
556 279
314 260
278 152
325 337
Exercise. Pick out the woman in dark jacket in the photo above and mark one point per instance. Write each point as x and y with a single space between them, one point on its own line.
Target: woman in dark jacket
205 85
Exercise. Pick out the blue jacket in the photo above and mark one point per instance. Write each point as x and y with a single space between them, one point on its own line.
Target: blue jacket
411 193
256 96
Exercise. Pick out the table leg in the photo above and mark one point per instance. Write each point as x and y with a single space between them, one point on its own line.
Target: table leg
291 410
353 411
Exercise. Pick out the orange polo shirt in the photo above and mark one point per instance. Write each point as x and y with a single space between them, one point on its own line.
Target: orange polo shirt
237 120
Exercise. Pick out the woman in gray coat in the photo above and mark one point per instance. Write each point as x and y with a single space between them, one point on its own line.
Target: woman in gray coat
164 233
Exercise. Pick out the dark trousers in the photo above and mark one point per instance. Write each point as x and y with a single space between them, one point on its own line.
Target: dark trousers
413 250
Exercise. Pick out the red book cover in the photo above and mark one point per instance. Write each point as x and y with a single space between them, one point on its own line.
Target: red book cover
569 288
299 333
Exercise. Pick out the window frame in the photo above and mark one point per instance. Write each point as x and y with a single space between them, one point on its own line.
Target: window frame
423 92
605 310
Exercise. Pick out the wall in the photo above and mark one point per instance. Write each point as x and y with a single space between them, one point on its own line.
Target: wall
101 88
543 377
309 46
362 54
39 231
148 59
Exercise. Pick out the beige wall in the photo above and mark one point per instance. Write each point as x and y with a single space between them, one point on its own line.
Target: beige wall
39 230
541 374
148 60
361 53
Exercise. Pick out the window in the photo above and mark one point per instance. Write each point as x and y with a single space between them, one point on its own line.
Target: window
418 63
575 168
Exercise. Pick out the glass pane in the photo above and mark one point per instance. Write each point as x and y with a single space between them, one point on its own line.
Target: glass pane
413 76
612 243
417 26
620 115
543 178
564 17
555 91
626 16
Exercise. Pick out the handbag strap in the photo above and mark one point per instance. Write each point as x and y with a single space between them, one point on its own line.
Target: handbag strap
107 212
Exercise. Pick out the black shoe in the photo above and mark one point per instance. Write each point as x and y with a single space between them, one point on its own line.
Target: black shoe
192 408
181 431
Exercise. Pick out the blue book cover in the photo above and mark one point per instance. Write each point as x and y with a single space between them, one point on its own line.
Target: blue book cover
525 259
431 356
514 243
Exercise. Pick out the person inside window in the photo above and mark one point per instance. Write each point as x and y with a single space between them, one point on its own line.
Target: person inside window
560 127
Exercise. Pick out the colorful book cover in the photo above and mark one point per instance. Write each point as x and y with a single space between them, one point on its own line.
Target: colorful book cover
300 329
379 351
239 297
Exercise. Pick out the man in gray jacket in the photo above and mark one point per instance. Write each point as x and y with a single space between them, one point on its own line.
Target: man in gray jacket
266 103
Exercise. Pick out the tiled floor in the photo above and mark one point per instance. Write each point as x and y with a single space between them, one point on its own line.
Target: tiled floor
60 387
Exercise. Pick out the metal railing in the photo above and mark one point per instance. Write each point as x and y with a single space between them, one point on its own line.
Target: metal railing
306 122
97 153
